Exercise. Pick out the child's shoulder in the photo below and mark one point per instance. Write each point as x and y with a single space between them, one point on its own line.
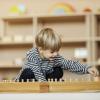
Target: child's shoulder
32 51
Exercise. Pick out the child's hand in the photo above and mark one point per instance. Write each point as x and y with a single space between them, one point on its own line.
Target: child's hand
93 71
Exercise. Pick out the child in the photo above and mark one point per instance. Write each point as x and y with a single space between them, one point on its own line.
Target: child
44 61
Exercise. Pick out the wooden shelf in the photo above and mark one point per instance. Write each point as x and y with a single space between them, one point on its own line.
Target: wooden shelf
68 16
97 39
16 43
25 18
71 40
10 66
74 29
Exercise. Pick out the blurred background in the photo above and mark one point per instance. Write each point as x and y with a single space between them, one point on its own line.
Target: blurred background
77 22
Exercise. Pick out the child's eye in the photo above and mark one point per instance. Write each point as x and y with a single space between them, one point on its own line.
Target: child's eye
52 52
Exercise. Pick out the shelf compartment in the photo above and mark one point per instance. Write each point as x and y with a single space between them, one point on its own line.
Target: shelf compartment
28 44
27 18
96 25
68 50
66 26
18 25
96 53
6 66
13 52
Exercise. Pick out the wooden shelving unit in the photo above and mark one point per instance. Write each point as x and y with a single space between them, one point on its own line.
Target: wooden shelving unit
16 39
78 35
96 39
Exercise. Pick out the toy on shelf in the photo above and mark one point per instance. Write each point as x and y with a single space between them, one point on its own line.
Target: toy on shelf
61 8
18 38
29 38
14 10
87 9
81 54
6 39
22 8
17 9
18 61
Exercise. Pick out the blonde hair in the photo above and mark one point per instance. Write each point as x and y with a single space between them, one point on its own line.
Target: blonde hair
48 40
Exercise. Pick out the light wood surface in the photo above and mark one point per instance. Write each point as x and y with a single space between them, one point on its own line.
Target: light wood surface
74 86
23 87
50 86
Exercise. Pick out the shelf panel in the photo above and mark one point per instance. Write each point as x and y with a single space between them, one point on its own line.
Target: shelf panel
18 18
70 26
71 40
75 16
9 66
97 39
15 43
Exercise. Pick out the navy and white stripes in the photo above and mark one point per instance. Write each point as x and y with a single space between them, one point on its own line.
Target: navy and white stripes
40 67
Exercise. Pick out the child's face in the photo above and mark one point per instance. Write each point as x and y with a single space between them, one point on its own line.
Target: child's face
48 54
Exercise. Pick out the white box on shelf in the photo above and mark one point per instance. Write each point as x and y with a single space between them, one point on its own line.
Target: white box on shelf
18 38
80 53
18 61
6 39
29 38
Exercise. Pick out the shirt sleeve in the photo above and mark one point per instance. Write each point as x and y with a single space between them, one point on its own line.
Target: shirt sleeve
32 62
73 66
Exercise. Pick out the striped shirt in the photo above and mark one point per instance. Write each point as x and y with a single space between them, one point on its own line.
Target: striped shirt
40 67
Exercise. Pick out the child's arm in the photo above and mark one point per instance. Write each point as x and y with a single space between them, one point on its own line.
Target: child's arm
73 66
76 66
32 62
